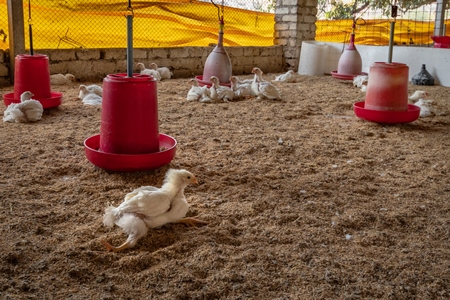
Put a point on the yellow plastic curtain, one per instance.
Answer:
(102, 24)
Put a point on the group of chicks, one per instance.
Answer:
(418, 98)
(239, 89)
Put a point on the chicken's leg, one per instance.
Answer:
(192, 221)
(110, 247)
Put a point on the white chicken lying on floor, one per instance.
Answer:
(418, 94)
(264, 89)
(241, 90)
(196, 91)
(220, 92)
(91, 94)
(28, 110)
(61, 79)
(289, 76)
(426, 106)
(164, 72)
(154, 73)
(151, 207)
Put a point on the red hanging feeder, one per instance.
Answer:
(218, 62)
(32, 74)
(129, 137)
(387, 91)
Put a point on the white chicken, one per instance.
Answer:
(220, 92)
(163, 71)
(418, 94)
(154, 73)
(264, 89)
(241, 90)
(92, 99)
(90, 89)
(61, 79)
(196, 91)
(361, 82)
(28, 110)
(427, 108)
(151, 207)
(289, 76)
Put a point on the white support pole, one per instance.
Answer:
(440, 17)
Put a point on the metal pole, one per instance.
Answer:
(130, 45)
(30, 28)
(391, 41)
(439, 27)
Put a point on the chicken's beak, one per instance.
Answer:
(194, 180)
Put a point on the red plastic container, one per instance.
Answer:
(32, 74)
(387, 89)
(129, 120)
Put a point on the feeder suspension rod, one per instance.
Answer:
(30, 29)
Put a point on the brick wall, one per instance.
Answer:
(294, 23)
(184, 62)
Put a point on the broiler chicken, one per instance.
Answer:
(151, 207)
(241, 90)
(196, 91)
(264, 89)
(164, 72)
(28, 110)
(90, 89)
(418, 94)
(154, 73)
(289, 76)
(61, 79)
(219, 92)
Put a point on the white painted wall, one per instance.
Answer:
(318, 58)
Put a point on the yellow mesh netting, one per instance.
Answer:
(376, 32)
(102, 24)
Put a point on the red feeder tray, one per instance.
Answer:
(130, 162)
(208, 83)
(54, 100)
(336, 75)
(441, 41)
(386, 116)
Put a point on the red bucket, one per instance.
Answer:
(129, 120)
(387, 89)
(32, 74)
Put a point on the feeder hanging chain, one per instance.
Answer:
(130, 11)
(219, 10)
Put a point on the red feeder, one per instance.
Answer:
(129, 136)
(32, 74)
(129, 115)
(387, 95)
(442, 41)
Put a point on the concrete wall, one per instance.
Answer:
(184, 62)
(318, 58)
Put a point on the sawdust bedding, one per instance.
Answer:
(304, 201)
